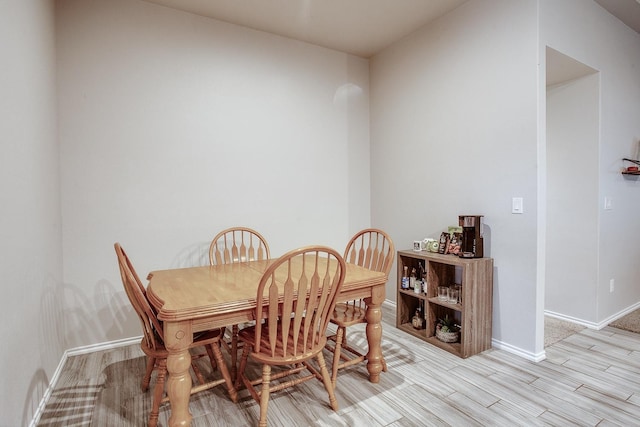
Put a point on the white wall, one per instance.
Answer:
(573, 125)
(30, 242)
(175, 126)
(454, 131)
(586, 32)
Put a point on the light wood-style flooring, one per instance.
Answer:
(591, 378)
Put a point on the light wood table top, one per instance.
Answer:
(199, 292)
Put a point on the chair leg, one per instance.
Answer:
(264, 393)
(158, 391)
(212, 359)
(225, 372)
(223, 340)
(151, 362)
(243, 363)
(234, 351)
(196, 371)
(341, 343)
(326, 379)
(336, 355)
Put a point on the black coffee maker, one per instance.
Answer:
(472, 239)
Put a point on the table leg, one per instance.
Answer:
(177, 338)
(374, 333)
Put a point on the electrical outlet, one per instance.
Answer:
(612, 284)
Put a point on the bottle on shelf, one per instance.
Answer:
(405, 278)
(420, 270)
(418, 319)
(422, 277)
(414, 282)
(412, 279)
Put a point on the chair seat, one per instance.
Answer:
(346, 315)
(247, 335)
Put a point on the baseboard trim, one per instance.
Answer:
(103, 346)
(594, 325)
(534, 357)
(74, 352)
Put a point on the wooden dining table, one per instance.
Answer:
(194, 299)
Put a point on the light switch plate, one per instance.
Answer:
(517, 205)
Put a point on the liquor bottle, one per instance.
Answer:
(412, 279)
(405, 278)
(417, 320)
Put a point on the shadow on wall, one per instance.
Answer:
(115, 313)
(37, 389)
(80, 323)
(486, 240)
(51, 345)
(496, 332)
(192, 256)
(68, 320)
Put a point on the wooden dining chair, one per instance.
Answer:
(152, 343)
(295, 298)
(237, 244)
(373, 249)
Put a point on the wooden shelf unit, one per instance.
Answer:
(474, 313)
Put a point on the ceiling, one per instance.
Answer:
(358, 27)
(628, 11)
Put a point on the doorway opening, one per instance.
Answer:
(572, 156)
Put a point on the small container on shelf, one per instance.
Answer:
(447, 331)
(634, 168)
(413, 279)
(458, 288)
(453, 295)
(417, 286)
(443, 293)
(417, 321)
